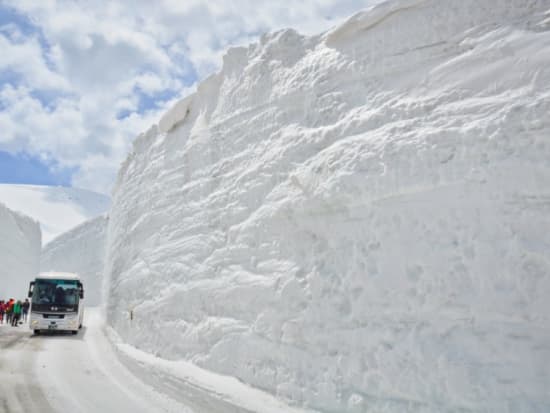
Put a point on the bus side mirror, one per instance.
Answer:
(31, 289)
(80, 290)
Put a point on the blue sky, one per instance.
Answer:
(22, 168)
(80, 80)
(9, 15)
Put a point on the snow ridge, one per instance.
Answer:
(356, 221)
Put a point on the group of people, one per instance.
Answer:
(14, 311)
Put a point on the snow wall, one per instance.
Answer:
(20, 243)
(357, 221)
(80, 250)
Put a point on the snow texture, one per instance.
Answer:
(202, 390)
(20, 242)
(58, 209)
(82, 251)
(357, 221)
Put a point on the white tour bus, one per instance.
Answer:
(57, 302)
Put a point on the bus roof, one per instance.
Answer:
(58, 276)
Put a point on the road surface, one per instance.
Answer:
(59, 373)
(66, 373)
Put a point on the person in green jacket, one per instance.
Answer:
(16, 313)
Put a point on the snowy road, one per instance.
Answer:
(19, 391)
(53, 373)
(61, 373)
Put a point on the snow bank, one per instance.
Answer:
(200, 389)
(58, 209)
(20, 243)
(82, 251)
(358, 221)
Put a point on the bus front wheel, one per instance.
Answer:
(36, 332)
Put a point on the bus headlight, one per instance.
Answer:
(34, 322)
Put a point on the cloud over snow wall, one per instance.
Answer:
(357, 221)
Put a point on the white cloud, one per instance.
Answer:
(102, 57)
(25, 57)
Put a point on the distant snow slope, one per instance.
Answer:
(58, 209)
(355, 222)
(80, 250)
(20, 242)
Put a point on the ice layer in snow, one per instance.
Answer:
(20, 242)
(82, 251)
(57, 208)
(356, 221)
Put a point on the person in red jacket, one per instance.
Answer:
(9, 310)
(2, 311)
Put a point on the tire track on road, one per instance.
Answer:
(20, 391)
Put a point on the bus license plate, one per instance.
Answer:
(52, 326)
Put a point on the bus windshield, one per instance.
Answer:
(56, 292)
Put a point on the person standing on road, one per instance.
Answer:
(9, 310)
(2, 311)
(16, 313)
(25, 309)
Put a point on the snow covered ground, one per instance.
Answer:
(60, 373)
(58, 209)
(20, 243)
(82, 251)
(84, 373)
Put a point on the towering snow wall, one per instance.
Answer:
(80, 250)
(358, 221)
(20, 243)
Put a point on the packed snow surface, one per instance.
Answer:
(59, 373)
(58, 209)
(357, 221)
(82, 251)
(85, 373)
(20, 242)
